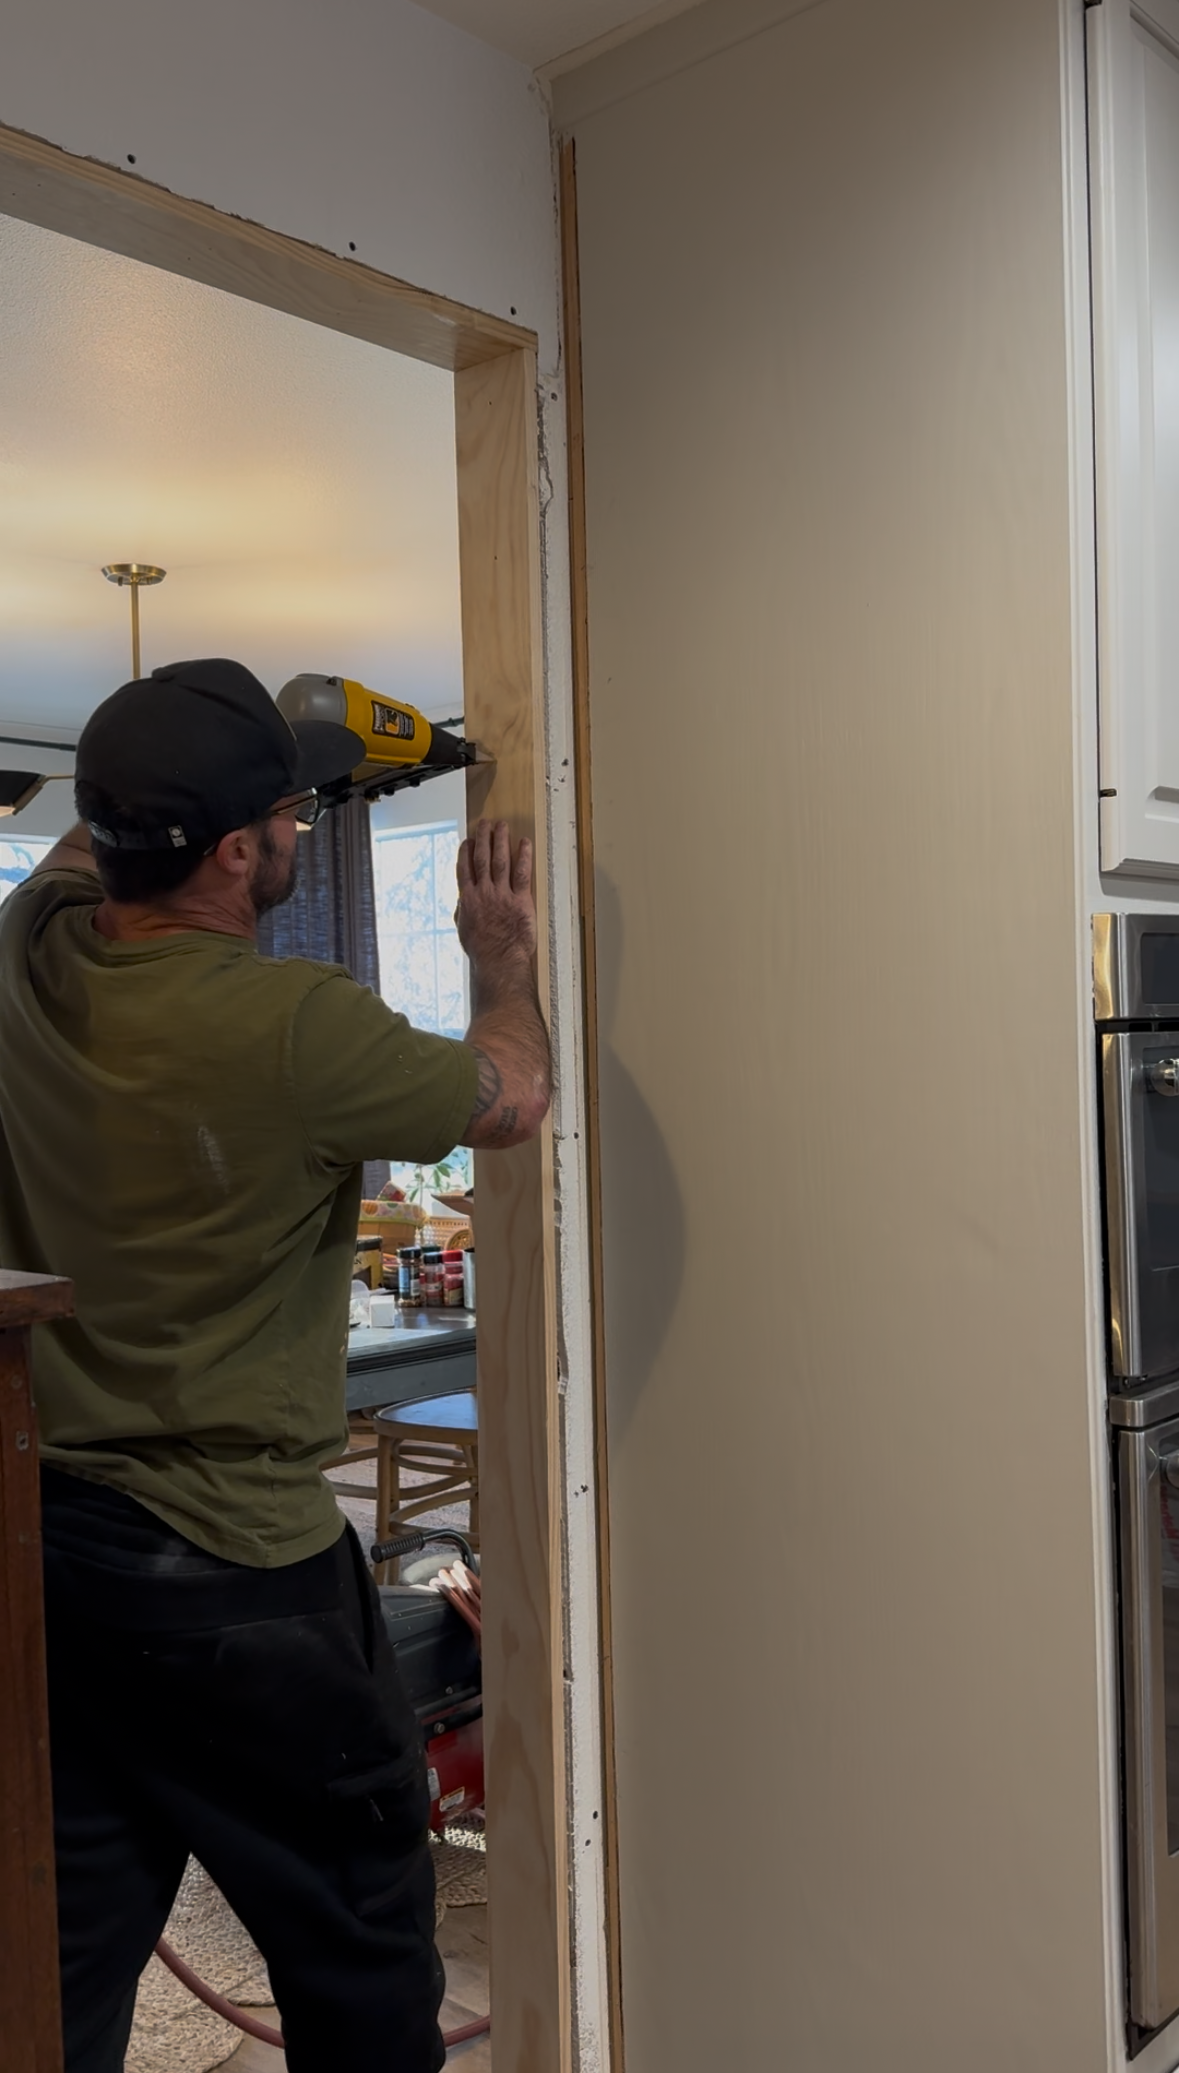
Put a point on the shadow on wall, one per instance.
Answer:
(643, 1233)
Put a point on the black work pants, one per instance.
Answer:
(255, 1719)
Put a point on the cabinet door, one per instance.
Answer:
(1134, 198)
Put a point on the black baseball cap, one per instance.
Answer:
(200, 748)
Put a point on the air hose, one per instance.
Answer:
(266, 2031)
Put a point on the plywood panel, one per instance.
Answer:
(499, 548)
(98, 204)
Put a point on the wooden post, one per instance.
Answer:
(30, 2009)
(519, 1412)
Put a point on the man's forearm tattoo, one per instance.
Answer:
(490, 1085)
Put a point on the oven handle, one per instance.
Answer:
(1163, 1076)
(1121, 1229)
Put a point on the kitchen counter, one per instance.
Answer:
(429, 1353)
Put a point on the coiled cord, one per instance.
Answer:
(266, 2031)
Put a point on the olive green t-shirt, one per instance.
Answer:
(182, 1126)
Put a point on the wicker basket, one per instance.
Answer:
(459, 1206)
(448, 1232)
(402, 1225)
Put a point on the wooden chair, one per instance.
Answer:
(362, 1446)
(439, 1438)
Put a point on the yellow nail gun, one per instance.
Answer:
(401, 746)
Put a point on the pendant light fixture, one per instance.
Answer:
(134, 574)
(18, 788)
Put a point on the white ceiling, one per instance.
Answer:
(297, 485)
(539, 32)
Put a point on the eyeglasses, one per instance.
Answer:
(307, 808)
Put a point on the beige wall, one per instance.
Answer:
(827, 444)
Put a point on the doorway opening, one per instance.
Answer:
(490, 366)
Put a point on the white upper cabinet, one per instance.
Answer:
(1134, 195)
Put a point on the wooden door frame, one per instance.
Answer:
(496, 425)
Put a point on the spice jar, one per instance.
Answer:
(409, 1279)
(452, 1278)
(432, 1277)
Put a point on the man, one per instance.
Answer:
(182, 1126)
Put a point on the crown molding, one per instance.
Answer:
(671, 46)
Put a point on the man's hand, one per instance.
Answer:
(495, 916)
(496, 922)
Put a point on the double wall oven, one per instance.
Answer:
(1136, 999)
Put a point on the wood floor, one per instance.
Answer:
(462, 1945)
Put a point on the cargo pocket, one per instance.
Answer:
(381, 1818)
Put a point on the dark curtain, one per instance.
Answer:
(332, 916)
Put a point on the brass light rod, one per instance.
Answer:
(133, 574)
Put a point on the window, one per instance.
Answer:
(423, 969)
(17, 859)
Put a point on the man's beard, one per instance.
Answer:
(275, 876)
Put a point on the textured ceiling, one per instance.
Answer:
(540, 31)
(297, 485)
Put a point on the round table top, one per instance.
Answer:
(458, 1414)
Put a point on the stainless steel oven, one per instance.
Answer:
(1147, 1471)
(1136, 974)
(1136, 999)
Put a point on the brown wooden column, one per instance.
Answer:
(30, 2012)
(519, 1411)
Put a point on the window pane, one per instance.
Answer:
(17, 859)
(423, 971)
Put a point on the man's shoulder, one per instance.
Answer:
(70, 884)
(45, 892)
(297, 978)
(317, 1001)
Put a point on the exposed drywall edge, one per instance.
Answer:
(583, 1713)
(585, 1756)
(673, 46)
(583, 1709)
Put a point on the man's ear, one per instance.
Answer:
(235, 853)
